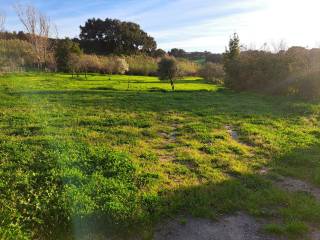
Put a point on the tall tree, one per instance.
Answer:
(67, 54)
(230, 58)
(234, 47)
(112, 36)
(38, 27)
(2, 21)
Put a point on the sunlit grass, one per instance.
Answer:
(126, 152)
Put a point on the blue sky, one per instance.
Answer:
(191, 24)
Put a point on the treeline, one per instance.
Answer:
(197, 56)
(295, 71)
(71, 58)
(104, 46)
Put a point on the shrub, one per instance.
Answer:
(212, 72)
(142, 65)
(120, 65)
(257, 70)
(65, 53)
(292, 72)
(168, 70)
(16, 55)
(90, 63)
(308, 85)
(187, 68)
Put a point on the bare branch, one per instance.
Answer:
(38, 27)
(279, 46)
(2, 21)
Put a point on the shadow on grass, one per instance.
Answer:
(196, 102)
(302, 163)
(251, 194)
(248, 193)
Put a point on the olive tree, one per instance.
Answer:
(168, 70)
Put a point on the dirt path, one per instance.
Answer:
(169, 138)
(236, 227)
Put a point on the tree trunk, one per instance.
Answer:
(172, 84)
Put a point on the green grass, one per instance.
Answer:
(124, 152)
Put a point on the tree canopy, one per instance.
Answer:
(168, 70)
(64, 54)
(112, 36)
(177, 52)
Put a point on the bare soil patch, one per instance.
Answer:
(235, 227)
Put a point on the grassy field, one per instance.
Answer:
(78, 155)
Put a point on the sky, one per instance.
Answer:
(194, 25)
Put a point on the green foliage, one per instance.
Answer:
(177, 53)
(64, 54)
(234, 47)
(258, 70)
(100, 182)
(308, 85)
(291, 72)
(292, 229)
(112, 36)
(168, 70)
(158, 53)
(88, 158)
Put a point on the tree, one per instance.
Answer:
(230, 58)
(178, 53)
(65, 54)
(112, 36)
(2, 21)
(38, 27)
(159, 53)
(168, 70)
(234, 48)
(3, 43)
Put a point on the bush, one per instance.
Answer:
(142, 65)
(292, 72)
(120, 65)
(109, 65)
(65, 55)
(16, 55)
(187, 68)
(308, 85)
(90, 63)
(257, 70)
(212, 72)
